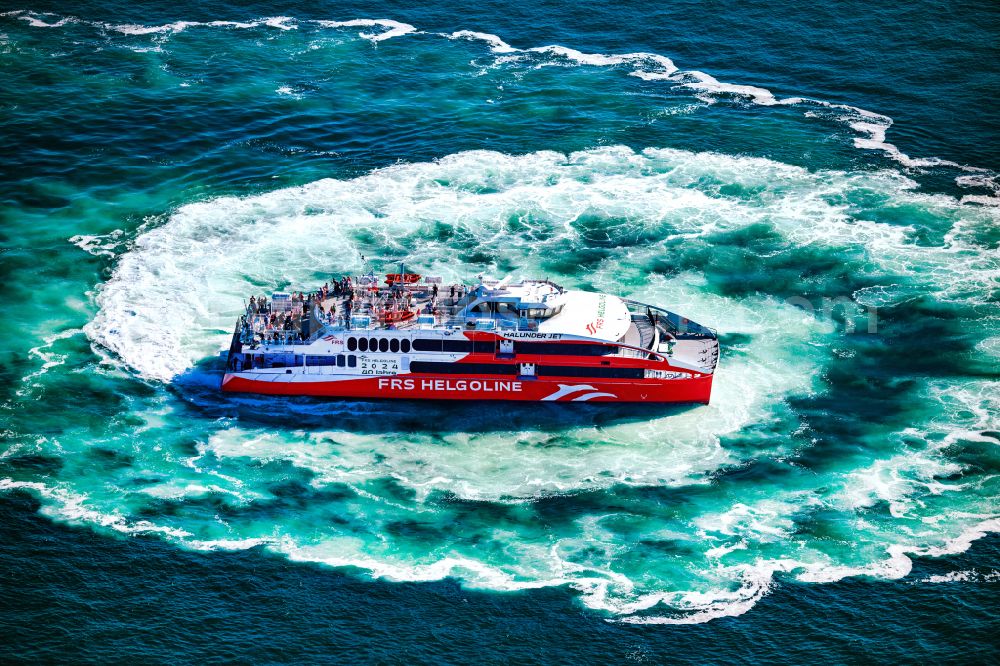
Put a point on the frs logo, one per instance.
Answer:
(585, 391)
(595, 325)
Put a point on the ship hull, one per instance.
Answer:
(469, 387)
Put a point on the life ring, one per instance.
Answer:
(405, 278)
(392, 316)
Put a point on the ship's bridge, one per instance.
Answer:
(591, 315)
(552, 308)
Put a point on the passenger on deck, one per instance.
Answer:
(253, 304)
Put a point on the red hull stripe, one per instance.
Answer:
(459, 387)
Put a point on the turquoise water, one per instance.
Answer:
(819, 186)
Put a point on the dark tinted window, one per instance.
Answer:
(352, 344)
(394, 345)
(352, 361)
(373, 344)
(320, 360)
(404, 346)
(341, 360)
(363, 344)
(427, 345)
(602, 373)
(459, 346)
(563, 348)
(383, 345)
(464, 368)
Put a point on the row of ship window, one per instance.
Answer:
(394, 345)
(404, 346)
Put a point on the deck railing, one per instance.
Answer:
(672, 321)
(253, 323)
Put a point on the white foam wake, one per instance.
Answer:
(395, 28)
(72, 507)
(49, 358)
(966, 576)
(172, 298)
(600, 588)
(38, 20)
(872, 128)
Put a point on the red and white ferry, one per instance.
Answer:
(412, 337)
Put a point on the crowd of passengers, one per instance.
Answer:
(295, 324)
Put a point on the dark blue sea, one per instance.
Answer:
(818, 182)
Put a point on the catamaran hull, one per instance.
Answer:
(468, 387)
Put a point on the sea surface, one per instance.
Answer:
(818, 181)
